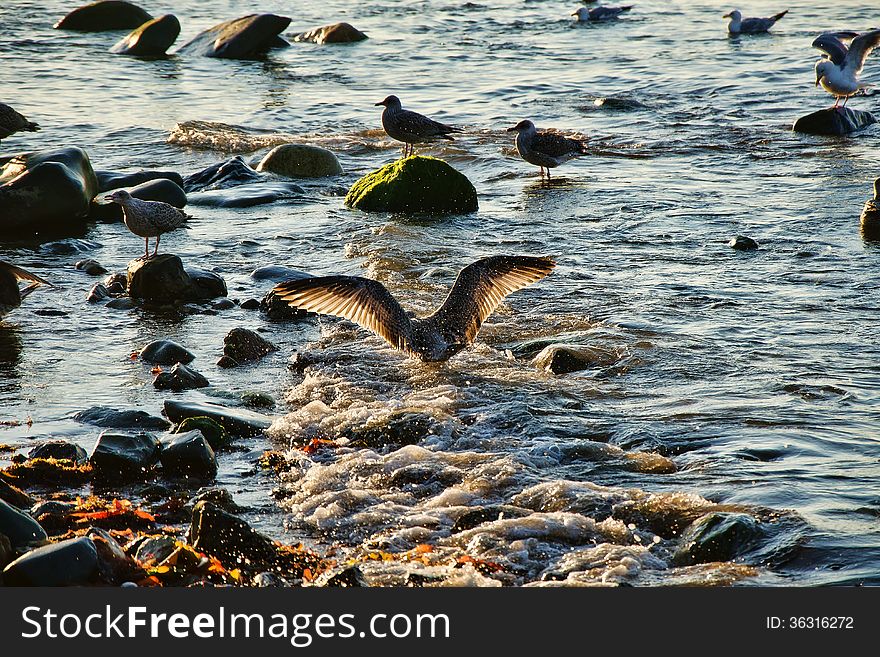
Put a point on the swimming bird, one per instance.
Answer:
(477, 292)
(12, 122)
(740, 25)
(10, 294)
(148, 218)
(870, 219)
(599, 13)
(838, 73)
(543, 148)
(411, 127)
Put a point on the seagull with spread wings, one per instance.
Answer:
(477, 292)
(11, 295)
(838, 73)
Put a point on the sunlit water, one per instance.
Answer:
(757, 373)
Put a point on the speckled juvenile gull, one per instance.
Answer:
(149, 218)
(545, 149)
(477, 292)
(740, 25)
(10, 294)
(838, 73)
(585, 14)
(411, 127)
(870, 219)
(12, 122)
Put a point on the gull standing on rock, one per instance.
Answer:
(10, 294)
(870, 219)
(599, 13)
(411, 127)
(12, 122)
(148, 218)
(740, 25)
(477, 292)
(838, 73)
(545, 149)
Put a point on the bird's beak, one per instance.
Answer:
(375, 104)
(818, 79)
(726, 16)
(513, 129)
(574, 13)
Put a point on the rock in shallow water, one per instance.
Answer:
(151, 39)
(243, 346)
(160, 189)
(718, 537)
(19, 527)
(103, 16)
(104, 416)
(414, 184)
(180, 377)
(66, 563)
(246, 196)
(223, 175)
(241, 38)
(15, 496)
(189, 454)
(566, 358)
(166, 352)
(163, 279)
(742, 243)
(300, 161)
(91, 267)
(213, 431)
(59, 449)
(336, 33)
(831, 121)
(228, 537)
(344, 577)
(109, 180)
(124, 455)
(238, 422)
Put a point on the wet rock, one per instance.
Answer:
(718, 537)
(52, 507)
(476, 517)
(269, 580)
(44, 190)
(155, 549)
(91, 267)
(6, 553)
(243, 346)
(15, 496)
(213, 431)
(66, 563)
(742, 243)
(348, 577)
(218, 496)
(19, 527)
(59, 449)
(565, 358)
(278, 274)
(300, 161)
(124, 455)
(242, 38)
(414, 184)
(163, 279)
(116, 283)
(228, 537)
(110, 180)
(104, 16)
(121, 304)
(336, 33)
(397, 428)
(104, 416)
(246, 196)
(151, 39)
(161, 189)
(70, 246)
(189, 454)
(831, 121)
(223, 175)
(257, 400)
(180, 378)
(165, 352)
(114, 565)
(223, 304)
(250, 304)
(236, 421)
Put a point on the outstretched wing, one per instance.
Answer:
(556, 145)
(860, 48)
(480, 288)
(831, 45)
(23, 274)
(360, 300)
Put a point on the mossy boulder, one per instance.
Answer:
(834, 121)
(414, 184)
(300, 161)
(213, 432)
(151, 39)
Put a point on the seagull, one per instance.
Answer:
(838, 73)
(12, 122)
(10, 295)
(599, 13)
(477, 292)
(148, 218)
(870, 218)
(740, 25)
(545, 149)
(411, 127)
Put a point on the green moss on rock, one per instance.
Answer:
(414, 184)
(213, 432)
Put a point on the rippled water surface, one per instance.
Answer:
(724, 380)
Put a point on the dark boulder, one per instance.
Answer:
(189, 454)
(67, 563)
(104, 416)
(213, 431)
(223, 175)
(242, 38)
(242, 346)
(163, 279)
(300, 161)
(160, 189)
(834, 121)
(19, 527)
(246, 196)
(151, 39)
(104, 16)
(566, 358)
(718, 537)
(228, 537)
(180, 377)
(336, 33)
(237, 421)
(155, 549)
(14, 495)
(110, 180)
(397, 428)
(278, 274)
(742, 243)
(165, 352)
(59, 449)
(341, 577)
(206, 284)
(124, 455)
(90, 266)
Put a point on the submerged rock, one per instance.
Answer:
(66, 563)
(228, 537)
(166, 352)
(243, 346)
(189, 454)
(59, 449)
(91, 267)
(47, 189)
(397, 428)
(104, 416)
(163, 279)
(151, 39)
(155, 549)
(278, 274)
(300, 161)
(566, 358)
(242, 38)
(19, 527)
(223, 175)
(247, 196)
(834, 121)
(98, 293)
(180, 378)
(15, 496)
(160, 189)
(104, 16)
(742, 243)
(345, 577)
(124, 455)
(414, 184)
(718, 537)
(336, 33)
(238, 422)
(213, 431)
(110, 180)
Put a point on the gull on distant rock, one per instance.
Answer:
(838, 73)
(10, 294)
(585, 14)
(148, 218)
(740, 25)
(543, 148)
(12, 122)
(411, 127)
(477, 292)
(870, 219)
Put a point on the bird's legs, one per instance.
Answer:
(156, 250)
(548, 174)
(541, 169)
(845, 98)
(146, 248)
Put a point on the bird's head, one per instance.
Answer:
(523, 126)
(583, 14)
(119, 196)
(734, 15)
(877, 189)
(390, 101)
(823, 67)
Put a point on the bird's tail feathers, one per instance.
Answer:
(776, 17)
(31, 127)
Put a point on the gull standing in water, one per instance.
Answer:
(10, 294)
(12, 122)
(740, 25)
(545, 149)
(477, 292)
(838, 73)
(148, 218)
(599, 13)
(870, 218)
(411, 127)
